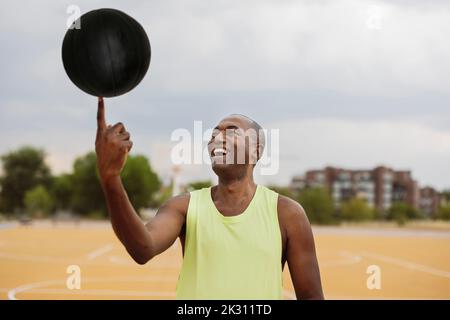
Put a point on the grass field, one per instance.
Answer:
(414, 264)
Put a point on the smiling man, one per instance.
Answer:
(236, 236)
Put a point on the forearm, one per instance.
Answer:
(127, 225)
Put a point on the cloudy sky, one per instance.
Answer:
(349, 83)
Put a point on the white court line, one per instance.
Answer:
(100, 251)
(38, 287)
(8, 225)
(12, 293)
(349, 259)
(105, 292)
(35, 285)
(27, 257)
(151, 264)
(408, 264)
(117, 262)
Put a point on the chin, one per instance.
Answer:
(220, 168)
(229, 171)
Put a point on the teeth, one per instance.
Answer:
(219, 151)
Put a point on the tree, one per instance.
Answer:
(38, 201)
(285, 191)
(62, 191)
(23, 170)
(444, 212)
(197, 185)
(140, 181)
(318, 205)
(87, 196)
(163, 194)
(446, 196)
(401, 212)
(357, 209)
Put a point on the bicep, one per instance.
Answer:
(166, 226)
(301, 256)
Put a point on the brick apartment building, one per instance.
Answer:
(429, 201)
(380, 187)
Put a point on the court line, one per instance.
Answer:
(151, 264)
(100, 251)
(105, 292)
(37, 287)
(31, 286)
(359, 231)
(13, 292)
(349, 259)
(8, 225)
(112, 262)
(33, 258)
(288, 294)
(407, 264)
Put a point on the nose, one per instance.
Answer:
(220, 138)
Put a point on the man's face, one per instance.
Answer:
(233, 142)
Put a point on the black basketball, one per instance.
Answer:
(108, 55)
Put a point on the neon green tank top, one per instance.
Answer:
(237, 257)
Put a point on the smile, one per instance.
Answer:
(219, 152)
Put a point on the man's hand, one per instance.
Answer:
(112, 145)
(142, 242)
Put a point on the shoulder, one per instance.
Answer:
(291, 214)
(179, 203)
(290, 208)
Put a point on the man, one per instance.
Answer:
(236, 237)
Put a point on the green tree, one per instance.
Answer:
(62, 191)
(163, 194)
(23, 169)
(87, 196)
(140, 181)
(401, 212)
(446, 196)
(197, 185)
(318, 205)
(38, 201)
(285, 191)
(444, 212)
(357, 209)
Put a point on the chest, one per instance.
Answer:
(211, 238)
(231, 209)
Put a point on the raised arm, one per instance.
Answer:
(300, 250)
(141, 241)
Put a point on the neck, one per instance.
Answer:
(239, 188)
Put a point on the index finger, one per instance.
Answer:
(101, 122)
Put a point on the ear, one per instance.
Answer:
(260, 150)
(256, 154)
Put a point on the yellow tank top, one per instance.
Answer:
(237, 257)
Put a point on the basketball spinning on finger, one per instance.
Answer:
(108, 55)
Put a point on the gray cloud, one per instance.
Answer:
(277, 61)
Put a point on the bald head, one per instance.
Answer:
(251, 124)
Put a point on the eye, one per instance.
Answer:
(214, 133)
(231, 132)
